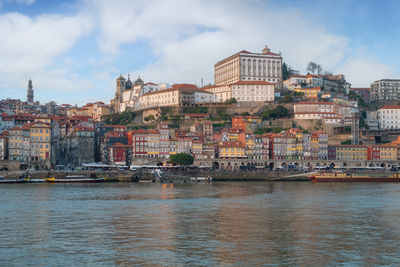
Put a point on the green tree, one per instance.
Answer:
(287, 71)
(231, 101)
(149, 118)
(314, 67)
(181, 159)
(287, 99)
(278, 112)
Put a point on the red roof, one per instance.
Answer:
(251, 83)
(391, 107)
(145, 131)
(182, 87)
(314, 103)
(83, 129)
(115, 126)
(311, 112)
(120, 145)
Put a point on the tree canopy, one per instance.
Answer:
(278, 112)
(231, 101)
(119, 118)
(287, 71)
(314, 68)
(181, 159)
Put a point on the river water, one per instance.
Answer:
(228, 224)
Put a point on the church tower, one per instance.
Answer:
(119, 91)
(29, 96)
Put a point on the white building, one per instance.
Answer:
(251, 91)
(294, 81)
(247, 66)
(389, 117)
(3, 147)
(315, 107)
(179, 95)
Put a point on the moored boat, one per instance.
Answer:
(74, 179)
(337, 176)
(11, 180)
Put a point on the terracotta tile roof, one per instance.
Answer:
(145, 131)
(120, 145)
(251, 83)
(83, 129)
(314, 103)
(114, 126)
(182, 87)
(390, 107)
(311, 112)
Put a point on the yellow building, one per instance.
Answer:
(309, 92)
(388, 153)
(250, 145)
(351, 152)
(231, 149)
(40, 138)
(15, 143)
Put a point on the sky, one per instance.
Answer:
(74, 50)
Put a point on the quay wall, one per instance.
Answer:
(217, 175)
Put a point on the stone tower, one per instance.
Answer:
(29, 96)
(119, 91)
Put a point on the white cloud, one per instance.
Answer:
(25, 2)
(19, 2)
(186, 37)
(189, 37)
(363, 71)
(30, 46)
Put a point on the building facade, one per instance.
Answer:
(247, 66)
(385, 90)
(242, 91)
(389, 117)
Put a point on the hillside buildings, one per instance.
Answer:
(329, 112)
(385, 90)
(326, 82)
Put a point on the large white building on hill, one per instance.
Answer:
(248, 66)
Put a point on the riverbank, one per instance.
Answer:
(217, 175)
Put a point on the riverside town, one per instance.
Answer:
(199, 133)
(259, 115)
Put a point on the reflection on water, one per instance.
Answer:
(220, 224)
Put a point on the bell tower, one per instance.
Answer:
(266, 50)
(29, 96)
